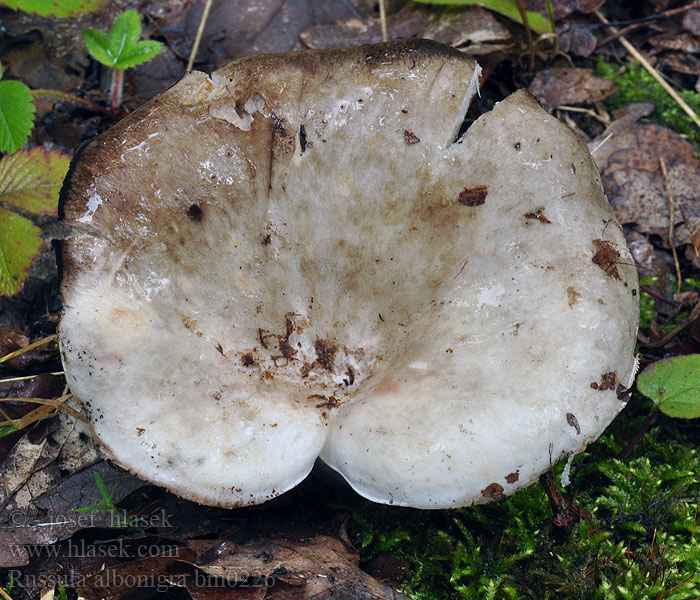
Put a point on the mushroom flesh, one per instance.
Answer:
(302, 255)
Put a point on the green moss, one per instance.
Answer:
(639, 541)
(637, 85)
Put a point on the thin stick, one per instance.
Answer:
(382, 18)
(585, 111)
(198, 38)
(652, 71)
(57, 95)
(55, 402)
(4, 594)
(31, 346)
(42, 412)
(671, 224)
(27, 377)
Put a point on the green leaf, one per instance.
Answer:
(674, 385)
(121, 49)
(507, 8)
(6, 430)
(99, 482)
(97, 44)
(92, 507)
(52, 8)
(29, 181)
(16, 115)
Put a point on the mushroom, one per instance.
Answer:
(302, 255)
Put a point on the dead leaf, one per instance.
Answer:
(631, 173)
(682, 42)
(691, 216)
(563, 8)
(560, 86)
(691, 22)
(311, 564)
(576, 38)
(473, 29)
(37, 511)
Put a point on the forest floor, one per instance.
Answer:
(625, 526)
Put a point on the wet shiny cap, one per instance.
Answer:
(299, 256)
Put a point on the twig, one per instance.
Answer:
(4, 594)
(57, 95)
(585, 111)
(54, 402)
(694, 315)
(200, 32)
(531, 45)
(31, 346)
(659, 297)
(671, 224)
(652, 71)
(27, 377)
(42, 412)
(382, 19)
(638, 436)
(632, 24)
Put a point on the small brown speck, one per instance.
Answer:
(573, 421)
(538, 214)
(140, 431)
(622, 394)
(606, 257)
(608, 381)
(473, 196)
(247, 360)
(493, 491)
(409, 137)
(573, 296)
(513, 477)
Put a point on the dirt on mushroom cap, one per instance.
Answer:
(273, 267)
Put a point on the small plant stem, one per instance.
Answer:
(68, 98)
(198, 37)
(530, 43)
(31, 346)
(638, 436)
(692, 317)
(652, 71)
(671, 224)
(382, 18)
(659, 297)
(4, 594)
(116, 91)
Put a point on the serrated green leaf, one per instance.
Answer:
(125, 33)
(16, 115)
(20, 241)
(29, 181)
(507, 8)
(97, 44)
(54, 8)
(121, 49)
(674, 384)
(140, 53)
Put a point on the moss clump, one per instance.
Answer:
(637, 85)
(639, 540)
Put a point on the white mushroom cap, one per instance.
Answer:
(297, 257)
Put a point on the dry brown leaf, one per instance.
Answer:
(310, 564)
(472, 29)
(563, 8)
(561, 86)
(631, 173)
